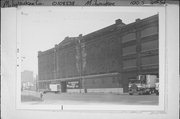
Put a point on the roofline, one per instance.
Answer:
(125, 25)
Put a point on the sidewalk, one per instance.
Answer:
(27, 95)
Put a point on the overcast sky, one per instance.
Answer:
(42, 28)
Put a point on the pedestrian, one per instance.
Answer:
(134, 88)
(41, 96)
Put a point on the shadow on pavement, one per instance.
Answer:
(27, 98)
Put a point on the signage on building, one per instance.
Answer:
(72, 84)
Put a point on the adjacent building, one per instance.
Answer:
(27, 79)
(104, 60)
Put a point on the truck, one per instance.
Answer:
(143, 84)
(157, 87)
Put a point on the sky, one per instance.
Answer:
(42, 28)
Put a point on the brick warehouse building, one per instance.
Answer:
(104, 60)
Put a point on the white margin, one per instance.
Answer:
(162, 64)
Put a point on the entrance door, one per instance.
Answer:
(63, 86)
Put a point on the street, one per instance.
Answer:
(94, 98)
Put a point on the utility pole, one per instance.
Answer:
(80, 63)
(81, 60)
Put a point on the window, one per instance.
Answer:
(113, 80)
(102, 81)
(93, 81)
(149, 45)
(129, 63)
(149, 60)
(129, 50)
(149, 31)
(128, 37)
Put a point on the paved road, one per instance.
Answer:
(94, 98)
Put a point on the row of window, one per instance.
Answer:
(145, 46)
(103, 81)
(152, 60)
(144, 33)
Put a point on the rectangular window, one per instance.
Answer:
(102, 81)
(150, 60)
(129, 63)
(149, 31)
(93, 81)
(149, 45)
(129, 50)
(114, 80)
(128, 37)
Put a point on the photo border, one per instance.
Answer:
(161, 108)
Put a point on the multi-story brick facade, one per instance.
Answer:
(105, 59)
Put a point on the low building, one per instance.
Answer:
(27, 79)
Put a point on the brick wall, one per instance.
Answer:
(129, 50)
